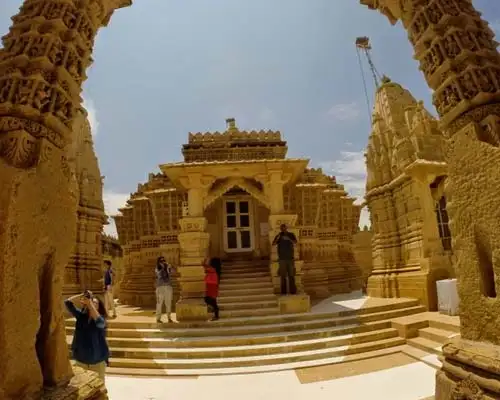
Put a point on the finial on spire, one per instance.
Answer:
(231, 124)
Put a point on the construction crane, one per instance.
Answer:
(363, 46)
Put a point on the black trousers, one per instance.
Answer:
(287, 274)
(212, 302)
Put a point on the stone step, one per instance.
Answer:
(147, 372)
(247, 299)
(250, 312)
(262, 284)
(246, 340)
(430, 346)
(437, 335)
(244, 275)
(446, 326)
(244, 269)
(253, 305)
(250, 279)
(251, 361)
(247, 326)
(253, 350)
(432, 360)
(246, 291)
(376, 312)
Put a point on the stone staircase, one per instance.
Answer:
(240, 344)
(433, 332)
(246, 290)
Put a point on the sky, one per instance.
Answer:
(163, 68)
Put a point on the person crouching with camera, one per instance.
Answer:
(90, 348)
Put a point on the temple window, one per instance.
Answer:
(443, 223)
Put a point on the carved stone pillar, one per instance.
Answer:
(42, 66)
(274, 188)
(194, 242)
(459, 59)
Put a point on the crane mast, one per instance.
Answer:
(363, 46)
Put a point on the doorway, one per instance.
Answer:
(238, 232)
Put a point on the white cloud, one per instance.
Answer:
(350, 171)
(344, 112)
(112, 202)
(89, 105)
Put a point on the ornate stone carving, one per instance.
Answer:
(232, 145)
(467, 97)
(42, 66)
(404, 157)
(467, 389)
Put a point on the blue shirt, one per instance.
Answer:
(108, 278)
(89, 339)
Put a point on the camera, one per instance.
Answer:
(87, 294)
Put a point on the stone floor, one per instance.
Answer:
(387, 377)
(413, 381)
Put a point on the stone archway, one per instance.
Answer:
(248, 185)
(42, 67)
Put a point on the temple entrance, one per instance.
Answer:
(238, 232)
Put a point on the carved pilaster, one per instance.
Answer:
(194, 242)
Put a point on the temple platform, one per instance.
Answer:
(341, 329)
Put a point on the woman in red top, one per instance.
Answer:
(211, 288)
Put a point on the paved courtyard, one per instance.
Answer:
(414, 381)
(388, 377)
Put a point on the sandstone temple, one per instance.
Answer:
(237, 187)
(405, 194)
(433, 190)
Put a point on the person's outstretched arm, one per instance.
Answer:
(70, 305)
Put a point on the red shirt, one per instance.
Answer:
(211, 283)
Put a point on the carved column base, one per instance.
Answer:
(417, 285)
(191, 310)
(470, 371)
(295, 304)
(85, 385)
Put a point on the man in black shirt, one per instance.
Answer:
(286, 241)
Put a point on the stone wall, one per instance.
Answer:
(362, 248)
(112, 251)
(84, 269)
